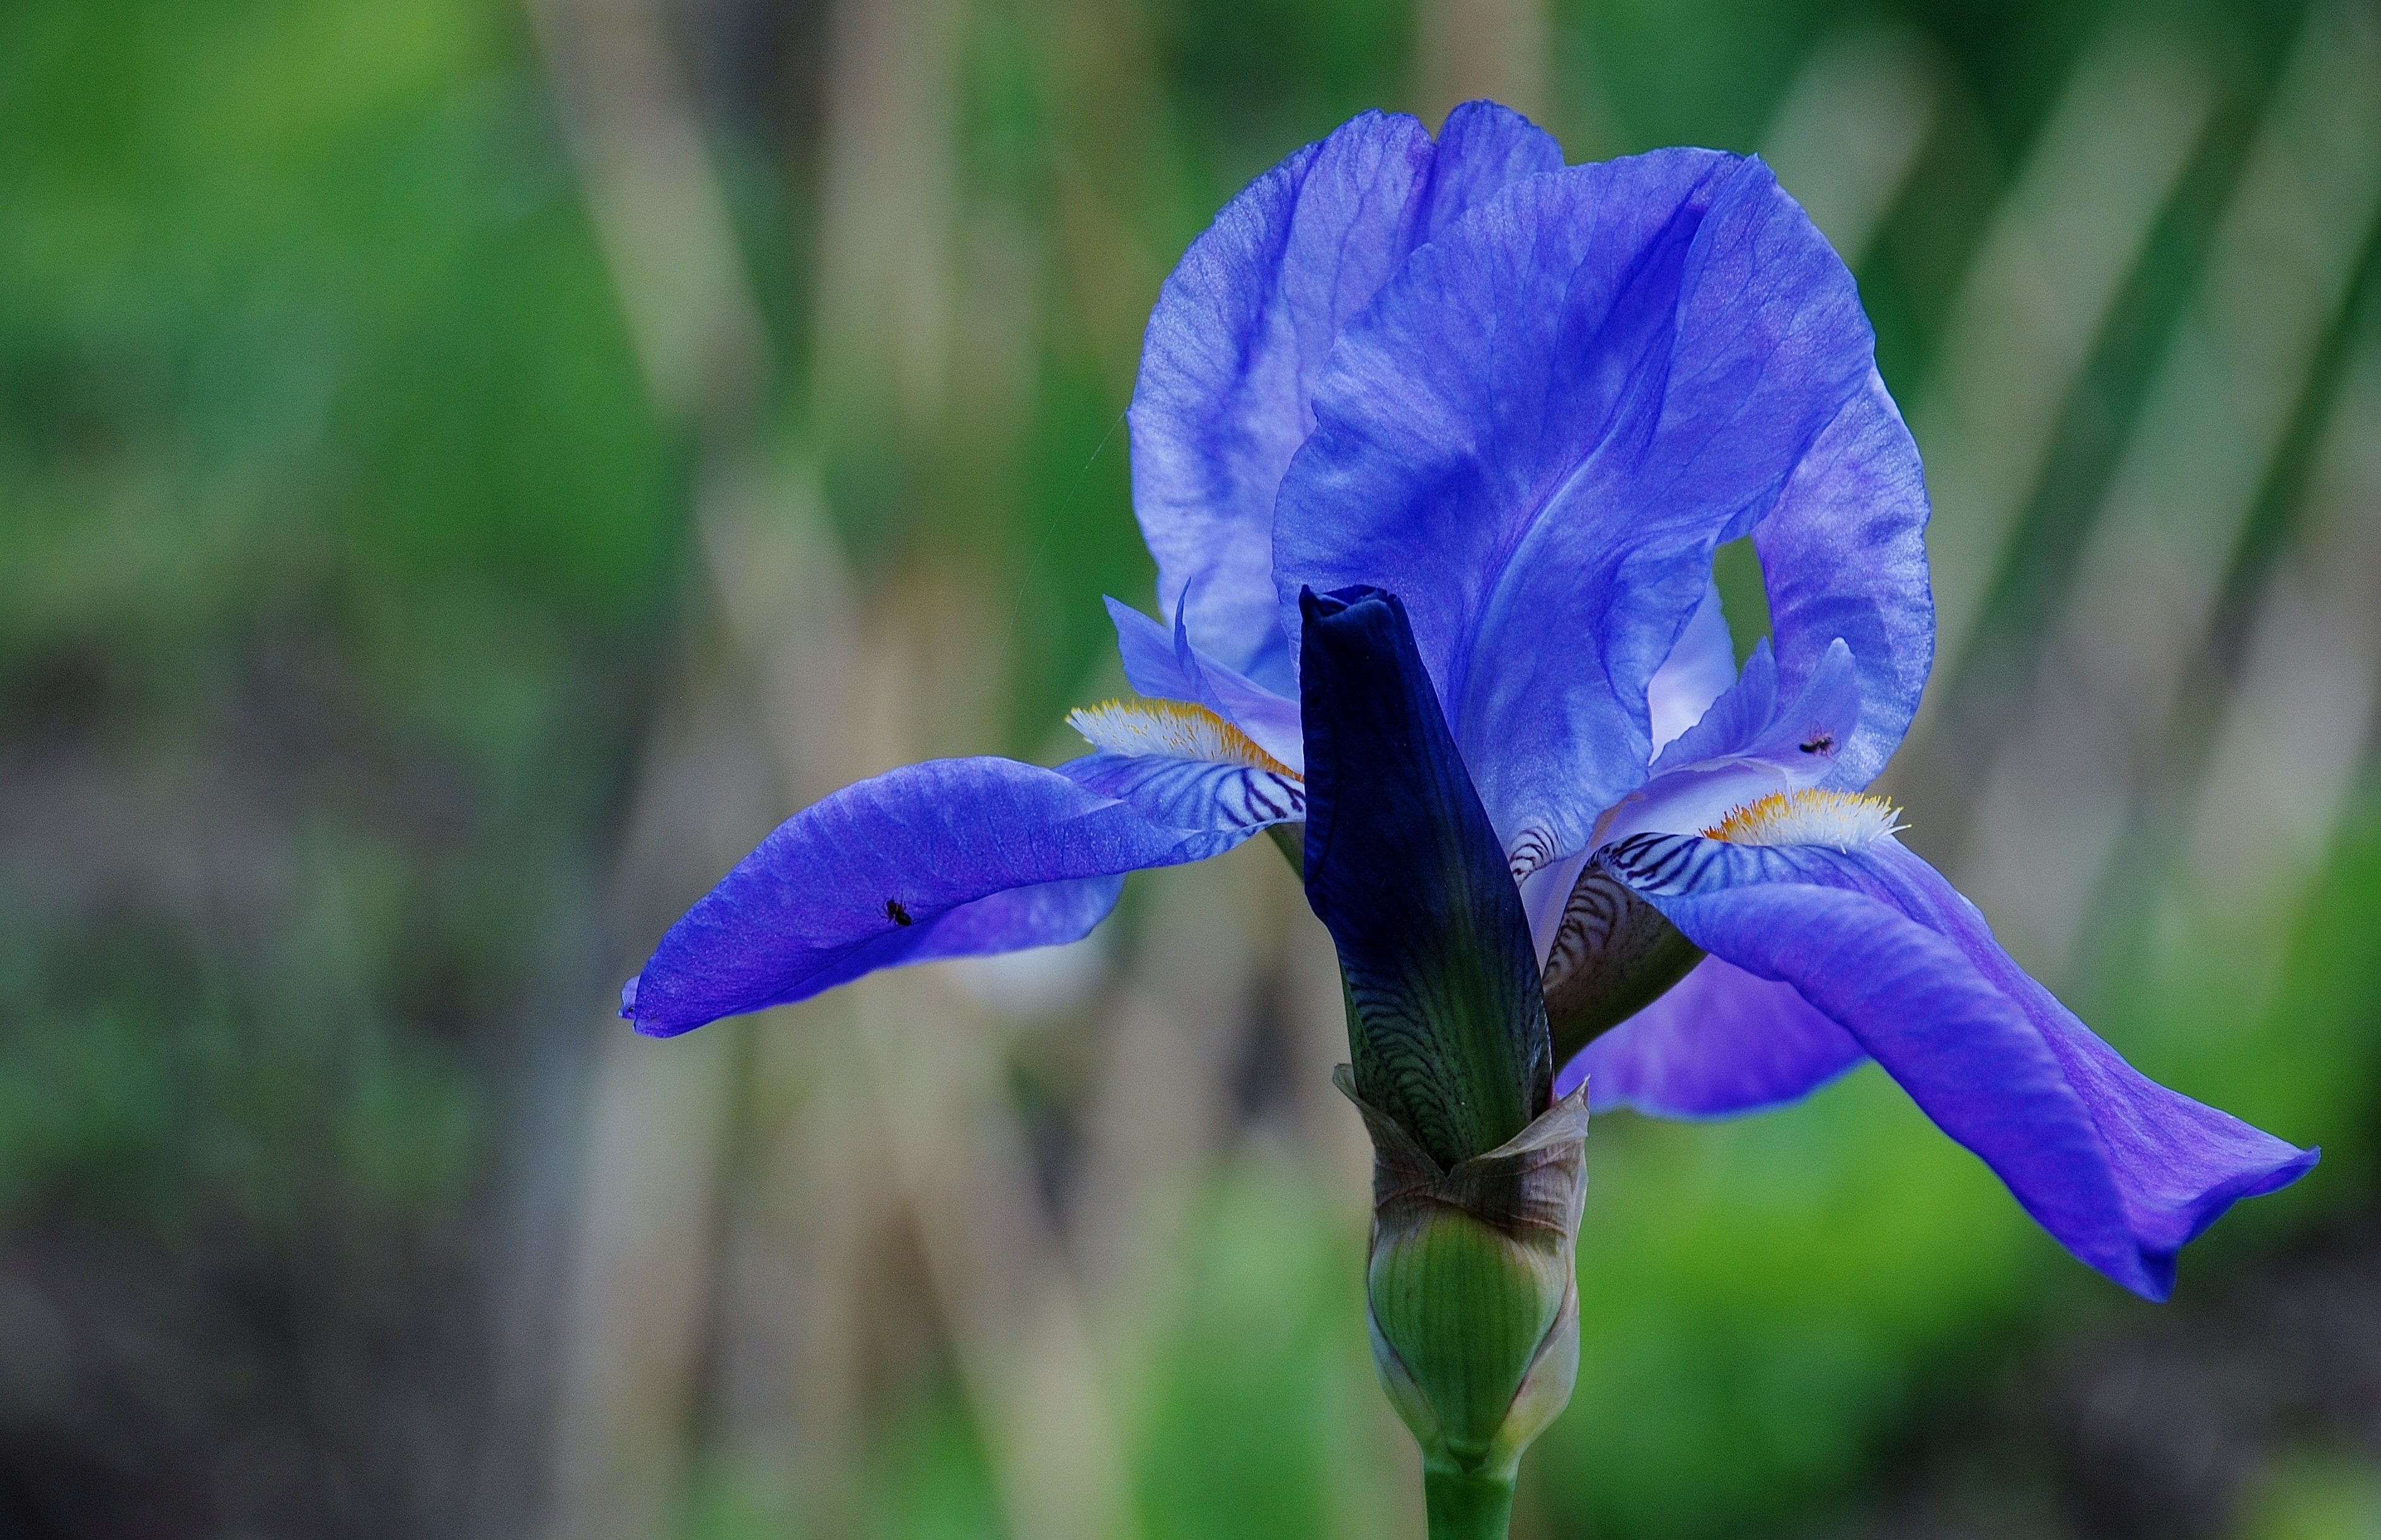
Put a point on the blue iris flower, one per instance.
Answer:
(1487, 418)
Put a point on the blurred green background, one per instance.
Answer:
(468, 469)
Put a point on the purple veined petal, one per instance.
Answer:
(1483, 148)
(1244, 324)
(1740, 714)
(1193, 794)
(1843, 555)
(1151, 664)
(1545, 894)
(2120, 1170)
(1170, 669)
(951, 858)
(1540, 432)
(1721, 1043)
(1700, 671)
(1747, 747)
(2181, 1163)
(1271, 720)
(1701, 667)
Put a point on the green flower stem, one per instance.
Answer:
(1290, 840)
(1466, 1505)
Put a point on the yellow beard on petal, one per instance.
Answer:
(1174, 729)
(1845, 820)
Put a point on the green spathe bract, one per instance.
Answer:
(1473, 1301)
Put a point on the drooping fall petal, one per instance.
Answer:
(2122, 1171)
(951, 858)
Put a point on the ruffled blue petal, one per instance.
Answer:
(1843, 555)
(952, 858)
(1449, 1036)
(1720, 1043)
(2122, 1171)
(1540, 432)
(1482, 149)
(1241, 328)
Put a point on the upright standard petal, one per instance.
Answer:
(2121, 1170)
(1448, 1032)
(952, 858)
(1698, 671)
(1146, 648)
(1242, 327)
(1543, 428)
(1843, 558)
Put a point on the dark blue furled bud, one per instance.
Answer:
(1477, 1182)
(1447, 1030)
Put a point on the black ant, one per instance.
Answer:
(895, 912)
(1820, 744)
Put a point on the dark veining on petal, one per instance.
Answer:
(1613, 956)
(1447, 1030)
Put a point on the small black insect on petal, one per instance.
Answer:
(1819, 744)
(895, 912)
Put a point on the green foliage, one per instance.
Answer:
(335, 537)
(1256, 1374)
